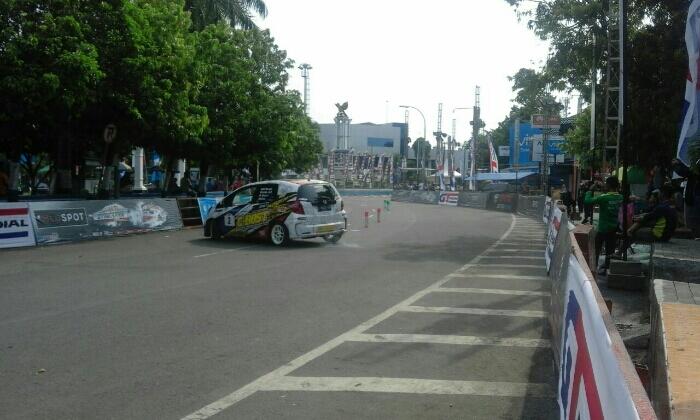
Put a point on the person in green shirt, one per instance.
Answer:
(606, 230)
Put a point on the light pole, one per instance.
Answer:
(419, 151)
(465, 142)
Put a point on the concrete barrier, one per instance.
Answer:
(475, 200)
(675, 349)
(588, 348)
(422, 197)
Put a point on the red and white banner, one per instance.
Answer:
(494, 157)
(16, 228)
(591, 384)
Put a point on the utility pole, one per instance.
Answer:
(624, 117)
(476, 125)
(304, 67)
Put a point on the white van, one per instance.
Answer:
(280, 211)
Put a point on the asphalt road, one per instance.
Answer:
(431, 313)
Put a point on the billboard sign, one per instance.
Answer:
(504, 151)
(555, 148)
(549, 122)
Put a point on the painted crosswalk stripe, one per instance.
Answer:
(503, 257)
(409, 386)
(473, 311)
(490, 291)
(482, 265)
(499, 276)
(451, 339)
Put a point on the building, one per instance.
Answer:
(376, 139)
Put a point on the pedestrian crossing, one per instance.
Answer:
(479, 331)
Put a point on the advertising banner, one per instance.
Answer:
(547, 209)
(591, 384)
(59, 221)
(504, 201)
(205, 204)
(15, 226)
(552, 232)
(449, 198)
(473, 199)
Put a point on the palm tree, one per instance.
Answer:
(237, 13)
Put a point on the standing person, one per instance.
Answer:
(606, 231)
(691, 194)
(4, 181)
(586, 209)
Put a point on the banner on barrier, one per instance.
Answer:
(15, 226)
(205, 204)
(449, 198)
(552, 232)
(547, 209)
(473, 199)
(504, 201)
(58, 221)
(591, 384)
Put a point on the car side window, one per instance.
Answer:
(243, 196)
(266, 193)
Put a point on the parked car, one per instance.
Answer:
(280, 211)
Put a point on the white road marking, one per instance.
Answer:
(278, 375)
(450, 339)
(539, 251)
(409, 386)
(223, 252)
(496, 265)
(512, 256)
(473, 311)
(490, 291)
(499, 276)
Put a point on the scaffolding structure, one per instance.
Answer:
(613, 82)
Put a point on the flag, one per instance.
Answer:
(691, 110)
(494, 158)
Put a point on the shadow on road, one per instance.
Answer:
(260, 244)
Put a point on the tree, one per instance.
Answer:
(236, 13)
(424, 147)
(655, 92)
(49, 72)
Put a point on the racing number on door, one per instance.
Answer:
(229, 220)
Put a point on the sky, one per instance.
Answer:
(379, 54)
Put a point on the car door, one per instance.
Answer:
(256, 214)
(231, 208)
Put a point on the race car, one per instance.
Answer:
(280, 211)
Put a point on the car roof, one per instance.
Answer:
(289, 182)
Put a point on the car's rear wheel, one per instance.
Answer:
(278, 234)
(334, 238)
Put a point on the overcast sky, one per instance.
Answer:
(379, 54)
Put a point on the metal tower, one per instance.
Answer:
(304, 67)
(613, 82)
(476, 125)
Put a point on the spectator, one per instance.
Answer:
(586, 209)
(659, 224)
(691, 194)
(4, 182)
(606, 231)
(567, 199)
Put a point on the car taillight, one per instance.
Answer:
(297, 207)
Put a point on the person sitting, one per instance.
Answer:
(659, 224)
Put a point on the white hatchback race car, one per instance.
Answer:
(280, 211)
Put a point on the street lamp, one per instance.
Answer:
(464, 149)
(424, 138)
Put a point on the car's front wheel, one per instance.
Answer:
(278, 234)
(334, 238)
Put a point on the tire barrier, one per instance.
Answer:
(68, 221)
